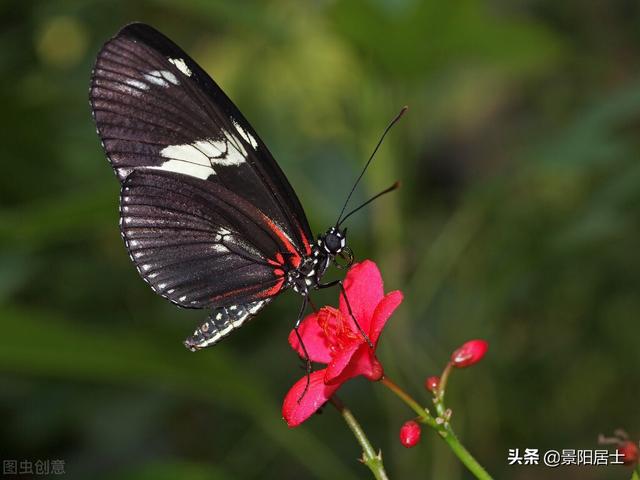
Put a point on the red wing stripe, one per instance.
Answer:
(260, 294)
(295, 255)
(305, 241)
(273, 290)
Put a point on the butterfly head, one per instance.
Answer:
(333, 241)
(334, 244)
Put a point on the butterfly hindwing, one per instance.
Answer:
(197, 243)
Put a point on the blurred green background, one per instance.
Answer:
(518, 222)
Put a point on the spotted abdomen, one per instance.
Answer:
(222, 322)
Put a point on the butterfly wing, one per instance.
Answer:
(156, 109)
(200, 245)
(207, 215)
(197, 243)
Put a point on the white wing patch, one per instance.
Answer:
(199, 158)
(181, 65)
(216, 247)
(187, 167)
(131, 87)
(161, 78)
(246, 135)
(137, 84)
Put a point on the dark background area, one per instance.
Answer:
(518, 222)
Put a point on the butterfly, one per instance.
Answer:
(207, 215)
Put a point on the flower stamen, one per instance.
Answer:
(336, 329)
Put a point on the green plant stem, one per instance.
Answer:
(462, 453)
(370, 458)
(423, 413)
(443, 427)
(442, 387)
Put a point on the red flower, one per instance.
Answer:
(332, 338)
(410, 434)
(469, 353)
(432, 383)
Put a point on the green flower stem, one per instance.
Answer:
(442, 388)
(370, 458)
(636, 474)
(441, 425)
(462, 453)
(423, 413)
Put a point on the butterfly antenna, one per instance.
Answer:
(393, 187)
(384, 134)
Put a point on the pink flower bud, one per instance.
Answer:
(469, 353)
(629, 451)
(432, 383)
(410, 434)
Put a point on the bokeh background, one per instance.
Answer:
(518, 222)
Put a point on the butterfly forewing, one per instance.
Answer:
(156, 109)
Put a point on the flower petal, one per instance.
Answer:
(341, 361)
(314, 340)
(382, 313)
(364, 288)
(297, 407)
(363, 362)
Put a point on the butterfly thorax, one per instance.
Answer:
(308, 274)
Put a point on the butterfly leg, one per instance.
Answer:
(307, 360)
(344, 294)
(313, 305)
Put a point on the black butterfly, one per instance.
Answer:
(206, 213)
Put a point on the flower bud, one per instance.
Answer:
(432, 383)
(629, 452)
(410, 434)
(469, 353)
